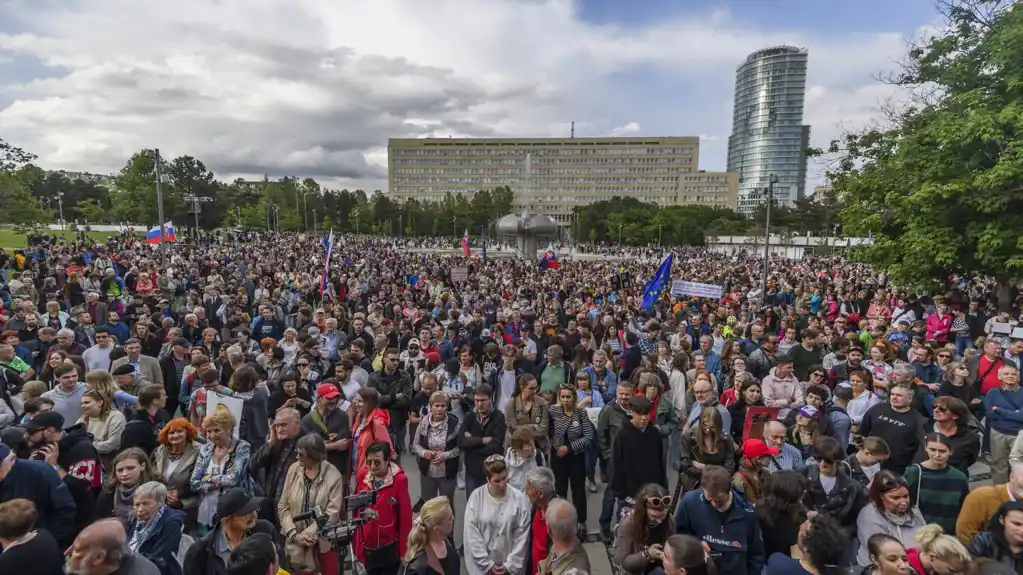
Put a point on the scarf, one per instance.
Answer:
(143, 529)
(123, 502)
(900, 520)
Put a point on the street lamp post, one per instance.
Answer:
(155, 155)
(60, 206)
(620, 234)
(772, 180)
(314, 220)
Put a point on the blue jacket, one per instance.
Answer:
(736, 540)
(161, 545)
(120, 331)
(1008, 418)
(714, 365)
(610, 380)
(40, 484)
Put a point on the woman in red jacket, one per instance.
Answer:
(369, 425)
(381, 543)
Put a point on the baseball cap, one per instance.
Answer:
(44, 420)
(756, 448)
(809, 411)
(123, 370)
(413, 341)
(236, 501)
(327, 391)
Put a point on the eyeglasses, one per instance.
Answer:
(817, 374)
(303, 365)
(940, 408)
(658, 502)
(893, 483)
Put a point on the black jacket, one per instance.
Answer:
(143, 431)
(843, 503)
(80, 460)
(473, 448)
(419, 565)
(993, 546)
(395, 394)
(636, 460)
(40, 484)
(269, 466)
(202, 559)
(451, 465)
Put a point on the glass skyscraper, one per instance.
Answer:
(768, 135)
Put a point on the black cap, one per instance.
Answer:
(44, 420)
(236, 501)
(180, 341)
(123, 370)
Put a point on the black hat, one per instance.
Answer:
(236, 501)
(44, 420)
(124, 369)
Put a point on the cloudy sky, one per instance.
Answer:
(316, 87)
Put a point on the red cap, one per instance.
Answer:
(756, 448)
(432, 356)
(327, 391)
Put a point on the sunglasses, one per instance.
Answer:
(661, 502)
(891, 484)
(940, 408)
(303, 365)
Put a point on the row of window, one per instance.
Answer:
(517, 149)
(521, 160)
(535, 172)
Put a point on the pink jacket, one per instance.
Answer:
(938, 327)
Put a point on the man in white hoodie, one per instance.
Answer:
(497, 520)
(781, 388)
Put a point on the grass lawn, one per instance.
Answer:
(9, 239)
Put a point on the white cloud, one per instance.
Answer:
(315, 87)
(629, 129)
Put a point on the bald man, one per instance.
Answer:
(102, 549)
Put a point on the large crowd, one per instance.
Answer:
(245, 408)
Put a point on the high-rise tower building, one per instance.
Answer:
(768, 135)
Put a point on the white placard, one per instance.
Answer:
(1017, 333)
(459, 274)
(682, 287)
(1001, 328)
(234, 405)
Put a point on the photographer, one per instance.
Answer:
(311, 482)
(381, 543)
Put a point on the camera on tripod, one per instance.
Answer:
(341, 532)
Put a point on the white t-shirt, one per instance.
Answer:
(506, 380)
(172, 465)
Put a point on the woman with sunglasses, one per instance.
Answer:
(957, 384)
(888, 511)
(643, 531)
(952, 420)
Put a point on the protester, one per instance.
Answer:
(381, 543)
(28, 549)
(311, 482)
(497, 520)
(430, 551)
(154, 530)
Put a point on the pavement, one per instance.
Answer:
(980, 474)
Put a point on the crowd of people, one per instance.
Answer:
(194, 417)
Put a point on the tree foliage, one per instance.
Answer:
(941, 188)
(637, 223)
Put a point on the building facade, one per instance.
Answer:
(768, 135)
(551, 176)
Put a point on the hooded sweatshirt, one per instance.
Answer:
(518, 468)
(68, 404)
(496, 530)
(368, 431)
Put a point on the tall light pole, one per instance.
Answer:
(60, 206)
(620, 234)
(314, 220)
(771, 181)
(155, 155)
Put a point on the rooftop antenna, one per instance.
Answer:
(573, 130)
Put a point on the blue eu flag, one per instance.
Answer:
(657, 284)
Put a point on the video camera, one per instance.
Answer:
(341, 532)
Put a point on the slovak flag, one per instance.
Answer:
(549, 261)
(153, 235)
(465, 244)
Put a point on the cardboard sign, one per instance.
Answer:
(233, 404)
(756, 419)
(459, 274)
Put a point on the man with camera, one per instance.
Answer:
(380, 544)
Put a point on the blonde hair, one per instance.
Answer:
(932, 540)
(431, 515)
(221, 417)
(101, 381)
(34, 388)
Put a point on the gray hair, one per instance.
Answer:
(542, 479)
(905, 369)
(562, 522)
(65, 332)
(152, 490)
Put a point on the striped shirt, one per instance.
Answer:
(575, 432)
(941, 493)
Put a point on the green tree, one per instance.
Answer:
(941, 189)
(19, 207)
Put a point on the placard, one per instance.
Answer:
(233, 404)
(682, 287)
(459, 274)
(756, 419)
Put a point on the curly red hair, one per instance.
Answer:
(178, 423)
